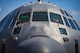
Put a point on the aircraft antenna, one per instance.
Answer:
(39, 0)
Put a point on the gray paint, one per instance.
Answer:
(39, 36)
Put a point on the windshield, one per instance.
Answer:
(56, 18)
(40, 16)
(24, 18)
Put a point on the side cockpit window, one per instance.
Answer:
(24, 18)
(56, 18)
(63, 31)
(40, 16)
(9, 20)
(16, 30)
(76, 25)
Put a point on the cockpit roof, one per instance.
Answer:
(40, 7)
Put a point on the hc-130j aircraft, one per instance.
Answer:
(39, 27)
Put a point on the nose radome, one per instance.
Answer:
(42, 45)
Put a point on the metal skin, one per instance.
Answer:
(38, 36)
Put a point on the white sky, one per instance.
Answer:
(75, 12)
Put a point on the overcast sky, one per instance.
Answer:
(72, 6)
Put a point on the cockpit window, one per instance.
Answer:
(62, 11)
(76, 24)
(63, 31)
(72, 24)
(66, 13)
(40, 16)
(66, 22)
(17, 30)
(70, 16)
(56, 18)
(24, 18)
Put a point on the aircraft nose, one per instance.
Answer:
(41, 45)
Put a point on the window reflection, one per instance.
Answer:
(40, 16)
(24, 18)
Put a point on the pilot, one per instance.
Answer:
(55, 20)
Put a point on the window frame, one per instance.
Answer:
(15, 18)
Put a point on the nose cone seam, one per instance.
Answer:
(39, 36)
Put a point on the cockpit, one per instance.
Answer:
(37, 16)
(40, 16)
(49, 17)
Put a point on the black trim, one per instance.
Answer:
(76, 46)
